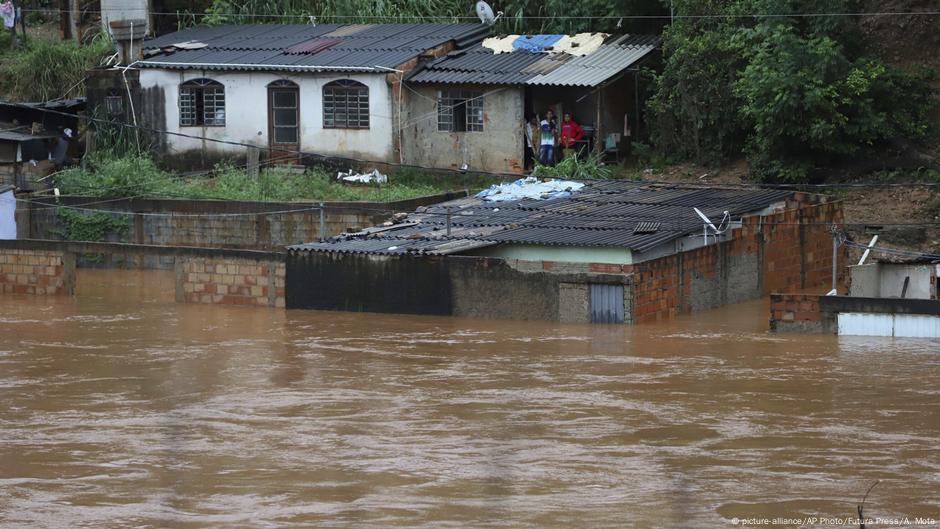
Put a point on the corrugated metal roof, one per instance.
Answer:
(603, 213)
(479, 65)
(296, 47)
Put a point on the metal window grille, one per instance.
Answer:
(202, 103)
(345, 105)
(460, 111)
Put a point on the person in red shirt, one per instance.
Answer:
(571, 132)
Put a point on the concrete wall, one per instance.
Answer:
(191, 222)
(887, 280)
(231, 280)
(36, 271)
(459, 286)
(497, 149)
(246, 116)
(823, 314)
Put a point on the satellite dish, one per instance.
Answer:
(485, 12)
(716, 230)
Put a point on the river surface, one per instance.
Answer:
(120, 408)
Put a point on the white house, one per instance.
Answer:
(206, 93)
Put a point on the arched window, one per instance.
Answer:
(345, 105)
(202, 103)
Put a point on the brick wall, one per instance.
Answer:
(788, 250)
(39, 272)
(230, 281)
(800, 313)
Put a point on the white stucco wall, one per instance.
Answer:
(246, 113)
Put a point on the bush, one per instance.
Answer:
(576, 167)
(794, 93)
(47, 69)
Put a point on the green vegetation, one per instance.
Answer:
(576, 167)
(46, 69)
(792, 93)
(520, 16)
(138, 176)
(96, 226)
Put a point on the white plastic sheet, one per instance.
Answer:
(531, 188)
(372, 177)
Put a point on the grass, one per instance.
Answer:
(45, 69)
(139, 176)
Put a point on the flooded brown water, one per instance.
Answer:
(121, 408)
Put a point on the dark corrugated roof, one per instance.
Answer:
(296, 47)
(480, 65)
(603, 213)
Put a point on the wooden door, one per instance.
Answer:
(284, 121)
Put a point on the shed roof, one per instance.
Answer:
(634, 215)
(299, 47)
(481, 65)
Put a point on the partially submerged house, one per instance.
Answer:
(469, 107)
(329, 89)
(607, 251)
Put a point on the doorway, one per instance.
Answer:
(284, 121)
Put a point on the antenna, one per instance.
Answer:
(485, 12)
(716, 231)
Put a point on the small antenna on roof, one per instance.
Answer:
(485, 12)
(313, 20)
(716, 231)
(619, 23)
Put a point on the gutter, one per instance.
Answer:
(229, 66)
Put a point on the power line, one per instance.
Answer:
(614, 18)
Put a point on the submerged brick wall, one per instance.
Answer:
(788, 250)
(41, 272)
(230, 281)
(796, 312)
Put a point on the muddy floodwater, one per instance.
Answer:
(120, 408)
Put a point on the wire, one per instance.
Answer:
(892, 251)
(343, 159)
(530, 17)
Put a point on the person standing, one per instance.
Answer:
(571, 132)
(531, 129)
(546, 142)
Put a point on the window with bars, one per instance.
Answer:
(202, 103)
(460, 111)
(345, 105)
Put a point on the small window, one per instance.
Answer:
(345, 105)
(460, 111)
(202, 103)
(114, 103)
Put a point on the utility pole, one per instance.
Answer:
(835, 258)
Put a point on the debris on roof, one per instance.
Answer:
(531, 188)
(576, 45)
